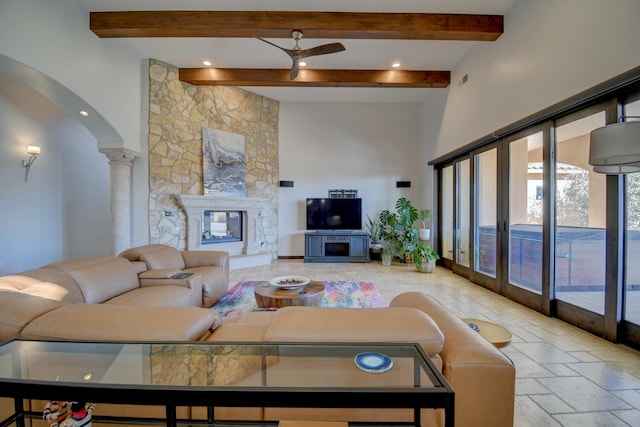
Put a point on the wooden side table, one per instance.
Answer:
(273, 297)
(495, 334)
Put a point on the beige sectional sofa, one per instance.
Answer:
(38, 302)
(118, 299)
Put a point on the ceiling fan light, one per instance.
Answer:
(395, 64)
(207, 63)
(302, 64)
(615, 147)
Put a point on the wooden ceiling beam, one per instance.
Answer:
(314, 78)
(279, 24)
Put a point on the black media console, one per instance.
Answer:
(336, 246)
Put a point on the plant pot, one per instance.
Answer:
(426, 265)
(387, 256)
(376, 246)
(425, 233)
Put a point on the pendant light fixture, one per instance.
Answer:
(615, 149)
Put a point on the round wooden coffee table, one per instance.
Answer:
(495, 334)
(268, 296)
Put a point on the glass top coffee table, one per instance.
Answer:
(223, 374)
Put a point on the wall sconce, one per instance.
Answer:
(615, 149)
(34, 150)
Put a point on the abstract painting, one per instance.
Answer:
(223, 163)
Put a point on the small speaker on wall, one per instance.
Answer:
(286, 184)
(403, 184)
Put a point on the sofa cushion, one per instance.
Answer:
(17, 309)
(72, 293)
(100, 278)
(31, 286)
(155, 296)
(123, 323)
(214, 283)
(365, 325)
(156, 256)
(168, 258)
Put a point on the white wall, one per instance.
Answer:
(431, 112)
(52, 37)
(367, 147)
(550, 51)
(62, 212)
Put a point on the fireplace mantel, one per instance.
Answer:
(249, 251)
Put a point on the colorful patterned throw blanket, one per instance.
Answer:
(240, 299)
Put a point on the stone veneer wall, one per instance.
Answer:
(177, 113)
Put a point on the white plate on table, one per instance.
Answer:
(289, 282)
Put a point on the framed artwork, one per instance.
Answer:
(223, 163)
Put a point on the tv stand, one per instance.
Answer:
(336, 246)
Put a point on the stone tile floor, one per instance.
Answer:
(565, 376)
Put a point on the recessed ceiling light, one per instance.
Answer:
(84, 113)
(396, 64)
(207, 63)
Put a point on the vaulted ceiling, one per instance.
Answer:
(426, 43)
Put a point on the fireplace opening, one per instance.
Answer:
(221, 227)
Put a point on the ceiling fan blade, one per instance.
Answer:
(321, 50)
(294, 69)
(289, 52)
(296, 54)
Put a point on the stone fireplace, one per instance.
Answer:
(249, 250)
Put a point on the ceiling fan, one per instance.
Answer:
(297, 53)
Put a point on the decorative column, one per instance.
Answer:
(120, 162)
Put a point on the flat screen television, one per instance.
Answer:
(334, 214)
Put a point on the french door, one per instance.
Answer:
(486, 232)
(528, 218)
(525, 217)
(454, 219)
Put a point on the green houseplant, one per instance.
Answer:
(397, 229)
(424, 258)
(375, 229)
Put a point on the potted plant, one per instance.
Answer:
(424, 258)
(375, 231)
(425, 231)
(397, 229)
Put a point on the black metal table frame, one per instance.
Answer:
(173, 396)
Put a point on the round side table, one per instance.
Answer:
(268, 296)
(495, 334)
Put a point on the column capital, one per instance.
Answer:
(121, 156)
